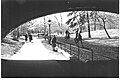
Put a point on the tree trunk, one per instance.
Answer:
(105, 29)
(95, 21)
(17, 32)
(78, 23)
(89, 35)
(44, 26)
(95, 25)
(61, 19)
(61, 22)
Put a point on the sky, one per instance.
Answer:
(40, 20)
(52, 18)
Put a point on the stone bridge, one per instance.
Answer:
(17, 12)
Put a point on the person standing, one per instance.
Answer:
(54, 43)
(46, 34)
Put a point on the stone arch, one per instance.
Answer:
(17, 12)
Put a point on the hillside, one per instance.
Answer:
(100, 37)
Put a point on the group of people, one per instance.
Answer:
(77, 38)
(28, 36)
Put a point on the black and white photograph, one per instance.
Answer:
(59, 38)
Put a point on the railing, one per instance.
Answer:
(80, 52)
(75, 50)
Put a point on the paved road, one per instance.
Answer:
(35, 50)
(31, 61)
(58, 68)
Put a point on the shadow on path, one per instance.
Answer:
(56, 68)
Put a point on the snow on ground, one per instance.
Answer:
(109, 42)
(35, 50)
(9, 47)
(101, 34)
(98, 34)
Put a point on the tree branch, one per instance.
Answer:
(57, 21)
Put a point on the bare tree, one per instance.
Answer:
(57, 21)
(60, 24)
(61, 19)
(104, 19)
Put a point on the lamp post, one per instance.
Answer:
(49, 23)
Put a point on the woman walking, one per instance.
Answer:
(54, 43)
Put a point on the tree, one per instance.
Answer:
(104, 18)
(14, 34)
(79, 19)
(59, 22)
(44, 27)
(74, 21)
(93, 15)
(89, 35)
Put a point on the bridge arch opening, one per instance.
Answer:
(60, 23)
(14, 12)
(17, 12)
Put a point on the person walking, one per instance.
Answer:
(80, 38)
(67, 36)
(54, 43)
(26, 37)
(30, 38)
(76, 37)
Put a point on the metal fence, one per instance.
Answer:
(82, 53)
(77, 51)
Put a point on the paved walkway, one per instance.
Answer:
(35, 50)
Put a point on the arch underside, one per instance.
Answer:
(17, 12)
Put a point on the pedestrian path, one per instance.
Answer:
(35, 50)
